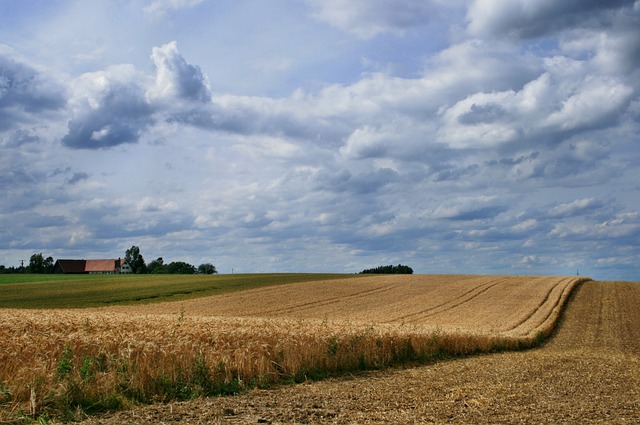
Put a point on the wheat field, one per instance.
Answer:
(587, 373)
(505, 305)
(55, 362)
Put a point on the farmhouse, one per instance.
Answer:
(110, 266)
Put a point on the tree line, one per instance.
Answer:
(134, 258)
(39, 264)
(399, 269)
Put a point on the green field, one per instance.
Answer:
(78, 291)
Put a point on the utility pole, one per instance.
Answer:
(22, 265)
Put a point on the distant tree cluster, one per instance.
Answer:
(39, 264)
(133, 257)
(8, 270)
(399, 269)
(157, 266)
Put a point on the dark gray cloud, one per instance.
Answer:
(18, 137)
(478, 213)
(110, 108)
(536, 19)
(487, 113)
(510, 162)
(119, 105)
(16, 176)
(367, 19)
(78, 177)
(453, 172)
(358, 183)
(371, 182)
(25, 93)
(107, 127)
(37, 221)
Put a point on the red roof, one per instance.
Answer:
(87, 266)
(100, 266)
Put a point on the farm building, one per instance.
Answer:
(110, 266)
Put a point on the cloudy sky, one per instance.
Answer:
(487, 136)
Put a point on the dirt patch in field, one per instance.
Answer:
(589, 372)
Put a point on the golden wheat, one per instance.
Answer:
(517, 306)
(58, 359)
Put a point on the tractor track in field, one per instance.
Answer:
(290, 309)
(588, 372)
(451, 304)
(556, 304)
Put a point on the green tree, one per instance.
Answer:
(207, 268)
(133, 257)
(156, 266)
(180, 267)
(39, 264)
(399, 269)
(48, 264)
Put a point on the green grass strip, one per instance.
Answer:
(80, 291)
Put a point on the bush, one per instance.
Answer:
(399, 269)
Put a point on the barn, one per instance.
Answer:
(108, 266)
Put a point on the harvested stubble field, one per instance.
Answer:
(289, 333)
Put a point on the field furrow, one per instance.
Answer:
(479, 304)
(322, 300)
(463, 298)
(546, 313)
(476, 304)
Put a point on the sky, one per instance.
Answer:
(483, 137)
